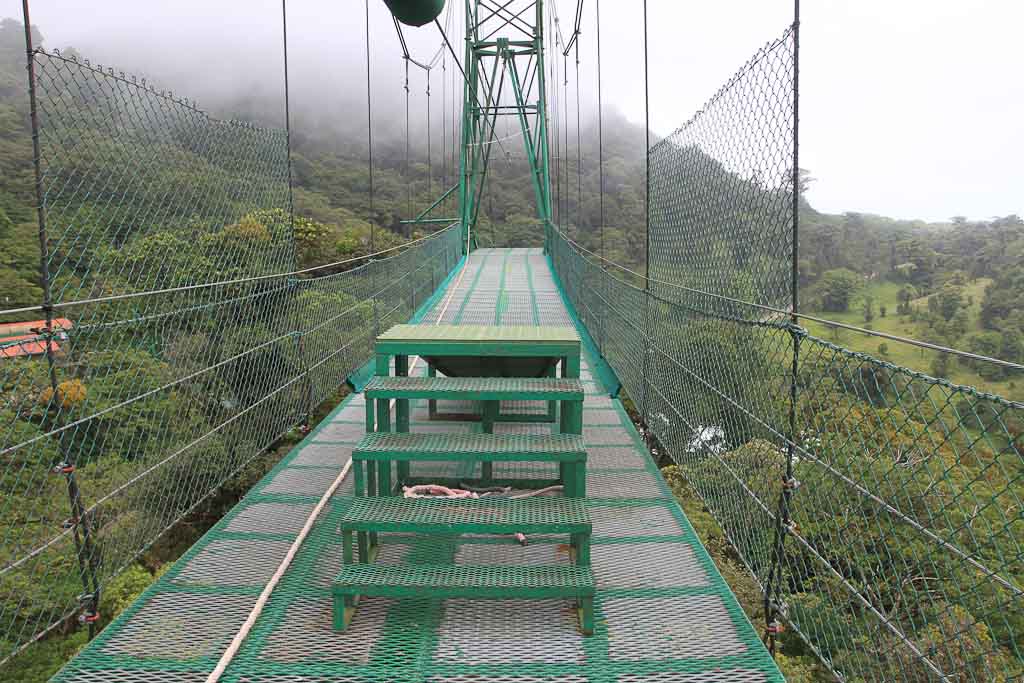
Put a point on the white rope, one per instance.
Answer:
(257, 609)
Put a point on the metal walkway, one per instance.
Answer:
(663, 611)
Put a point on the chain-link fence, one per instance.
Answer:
(177, 340)
(879, 509)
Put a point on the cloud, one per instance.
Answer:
(909, 108)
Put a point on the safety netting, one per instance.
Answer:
(175, 339)
(878, 508)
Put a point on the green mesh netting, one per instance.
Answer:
(183, 343)
(880, 509)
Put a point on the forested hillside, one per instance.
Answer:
(958, 285)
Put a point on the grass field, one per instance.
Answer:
(907, 355)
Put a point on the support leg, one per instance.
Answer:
(371, 424)
(401, 416)
(432, 403)
(346, 547)
(490, 416)
(359, 477)
(344, 609)
(384, 478)
(364, 547)
(586, 610)
(366, 544)
(552, 405)
(581, 546)
(579, 473)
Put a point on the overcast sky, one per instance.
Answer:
(909, 108)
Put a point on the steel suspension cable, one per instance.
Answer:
(600, 131)
(647, 223)
(647, 156)
(408, 179)
(430, 162)
(565, 130)
(369, 128)
(579, 141)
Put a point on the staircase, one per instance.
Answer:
(382, 462)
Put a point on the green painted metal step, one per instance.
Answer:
(472, 447)
(460, 516)
(476, 388)
(463, 581)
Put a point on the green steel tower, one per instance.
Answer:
(504, 69)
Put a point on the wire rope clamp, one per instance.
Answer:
(62, 468)
(790, 483)
(90, 598)
(774, 628)
(89, 616)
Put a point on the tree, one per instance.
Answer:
(949, 300)
(986, 344)
(959, 324)
(940, 364)
(869, 308)
(906, 294)
(838, 287)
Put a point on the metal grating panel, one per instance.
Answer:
(270, 518)
(665, 565)
(305, 634)
(448, 512)
(510, 632)
(455, 444)
(615, 457)
(680, 627)
(347, 432)
(634, 520)
(190, 625)
(322, 455)
(232, 562)
(305, 481)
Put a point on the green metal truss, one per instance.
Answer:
(503, 44)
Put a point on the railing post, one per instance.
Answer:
(79, 520)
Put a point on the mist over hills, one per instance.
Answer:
(845, 260)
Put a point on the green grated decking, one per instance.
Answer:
(476, 388)
(500, 516)
(663, 612)
(551, 581)
(461, 335)
(472, 447)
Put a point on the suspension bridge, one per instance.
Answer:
(877, 509)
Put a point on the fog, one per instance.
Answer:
(908, 108)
